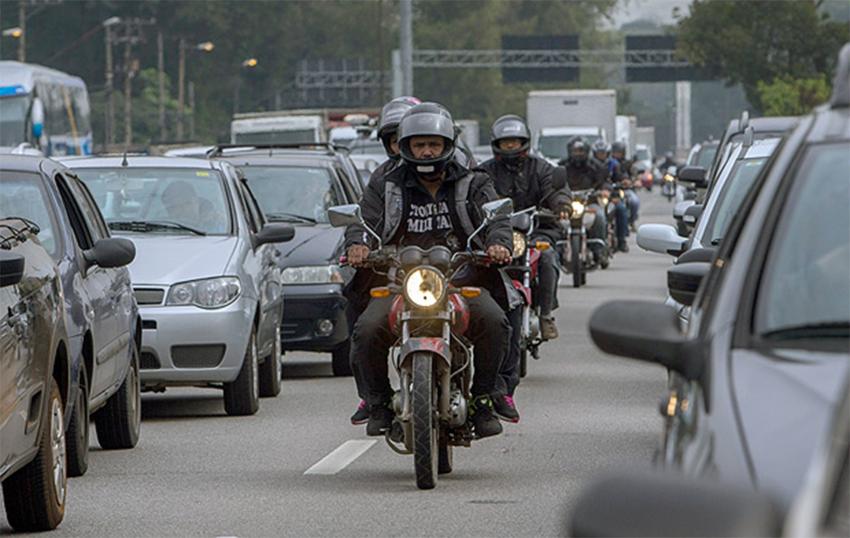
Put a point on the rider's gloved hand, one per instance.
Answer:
(357, 255)
(499, 254)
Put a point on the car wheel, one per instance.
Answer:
(119, 422)
(241, 396)
(78, 430)
(340, 359)
(35, 495)
(271, 370)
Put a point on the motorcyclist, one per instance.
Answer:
(618, 152)
(527, 180)
(668, 162)
(604, 160)
(428, 200)
(583, 174)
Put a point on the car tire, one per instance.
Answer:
(119, 422)
(340, 359)
(78, 429)
(35, 495)
(241, 396)
(271, 370)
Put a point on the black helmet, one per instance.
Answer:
(427, 119)
(618, 147)
(509, 126)
(391, 115)
(577, 150)
(601, 146)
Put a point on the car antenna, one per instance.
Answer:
(124, 162)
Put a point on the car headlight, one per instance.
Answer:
(578, 208)
(425, 287)
(207, 293)
(519, 244)
(313, 274)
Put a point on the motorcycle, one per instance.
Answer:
(579, 253)
(668, 188)
(432, 357)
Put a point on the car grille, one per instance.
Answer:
(149, 361)
(199, 356)
(149, 296)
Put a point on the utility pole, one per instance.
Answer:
(382, 93)
(192, 107)
(128, 88)
(181, 78)
(22, 24)
(406, 47)
(160, 63)
(109, 124)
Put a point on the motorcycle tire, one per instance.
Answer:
(604, 261)
(523, 360)
(425, 434)
(575, 260)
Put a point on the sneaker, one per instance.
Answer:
(548, 329)
(361, 416)
(380, 419)
(484, 422)
(624, 247)
(505, 408)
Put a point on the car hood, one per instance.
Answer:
(166, 259)
(786, 402)
(312, 245)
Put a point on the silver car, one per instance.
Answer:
(205, 277)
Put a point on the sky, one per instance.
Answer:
(656, 10)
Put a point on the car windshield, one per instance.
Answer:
(22, 194)
(706, 156)
(555, 146)
(13, 120)
(642, 154)
(162, 200)
(731, 196)
(293, 193)
(805, 288)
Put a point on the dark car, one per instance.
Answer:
(297, 186)
(34, 379)
(768, 346)
(101, 315)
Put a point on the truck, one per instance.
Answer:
(556, 116)
(626, 133)
(300, 126)
(646, 140)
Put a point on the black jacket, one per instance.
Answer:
(587, 176)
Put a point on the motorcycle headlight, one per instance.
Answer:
(668, 177)
(603, 201)
(314, 274)
(424, 287)
(578, 208)
(519, 244)
(209, 293)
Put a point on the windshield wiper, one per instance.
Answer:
(827, 329)
(289, 217)
(149, 225)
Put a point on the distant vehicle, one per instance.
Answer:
(560, 112)
(198, 152)
(626, 132)
(44, 107)
(276, 128)
(34, 381)
(205, 277)
(469, 131)
(645, 137)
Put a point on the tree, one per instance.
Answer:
(759, 41)
(786, 96)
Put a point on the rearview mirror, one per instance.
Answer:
(692, 214)
(660, 238)
(684, 279)
(345, 215)
(695, 175)
(273, 233)
(502, 207)
(111, 252)
(656, 504)
(11, 268)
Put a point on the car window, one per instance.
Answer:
(89, 210)
(293, 193)
(23, 194)
(129, 198)
(729, 199)
(82, 233)
(348, 186)
(805, 287)
(706, 156)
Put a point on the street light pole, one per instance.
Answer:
(181, 77)
(406, 46)
(128, 91)
(22, 24)
(160, 63)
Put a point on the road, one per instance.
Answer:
(197, 472)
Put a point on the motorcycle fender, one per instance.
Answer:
(437, 346)
(525, 292)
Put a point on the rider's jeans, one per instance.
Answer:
(489, 331)
(508, 378)
(547, 281)
(634, 205)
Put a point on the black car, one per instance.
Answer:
(768, 347)
(100, 311)
(297, 185)
(35, 375)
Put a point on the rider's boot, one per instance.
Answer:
(505, 408)
(484, 422)
(361, 415)
(548, 328)
(380, 419)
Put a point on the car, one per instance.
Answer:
(35, 373)
(101, 314)
(205, 277)
(767, 350)
(297, 186)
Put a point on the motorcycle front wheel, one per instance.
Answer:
(575, 260)
(425, 434)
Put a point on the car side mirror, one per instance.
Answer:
(502, 207)
(111, 252)
(345, 215)
(692, 214)
(660, 238)
(667, 504)
(684, 279)
(695, 175)
(11, 268)
(37, 119)
(273, 233)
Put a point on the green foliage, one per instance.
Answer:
(791, 97)
(761, 40)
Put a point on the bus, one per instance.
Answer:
(44, 107)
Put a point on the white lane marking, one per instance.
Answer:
(341, 458)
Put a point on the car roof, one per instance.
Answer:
(761, 148)
(279, 158)
(23, 163)
(138, 161)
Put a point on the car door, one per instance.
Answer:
(14, 355)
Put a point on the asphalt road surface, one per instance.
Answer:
(299, 468)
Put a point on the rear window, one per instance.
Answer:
(22, 194)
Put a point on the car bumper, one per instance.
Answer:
(186, 345)
(307, 308)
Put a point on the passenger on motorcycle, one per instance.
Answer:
(583, 174)
(428, 200)
(618, 152)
